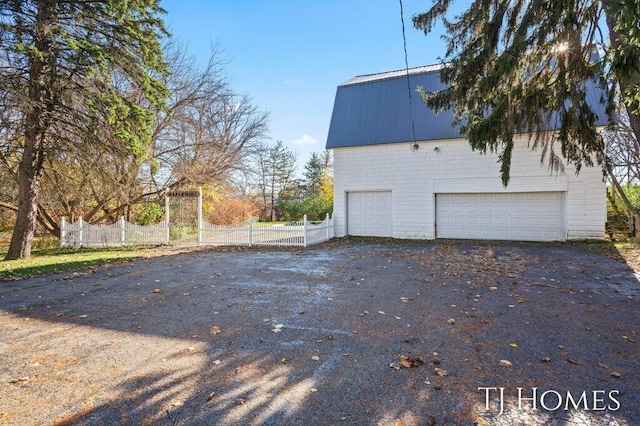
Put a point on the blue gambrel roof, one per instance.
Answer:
(374, 109)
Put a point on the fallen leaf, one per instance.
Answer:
(18, 380)
(284, 361)
(315, 358)
(451, 321)
(313, 390)
(240, 401)
(480, 421)
(157, 290)
(409, 362)
(440, 372)
(603, 365)
(214, 330)
(545, 359)
(381, 312)
(505, 363)
(513, 345)
(616, 374)
(573, 361)
(211, 396)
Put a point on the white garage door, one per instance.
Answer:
(530, 216)
(369, 213)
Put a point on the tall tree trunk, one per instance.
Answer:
(29, 174)
(625, 80)
(37, 109)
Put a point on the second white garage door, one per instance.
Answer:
(527, 216)
(369, 213)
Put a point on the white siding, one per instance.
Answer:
(414, 176)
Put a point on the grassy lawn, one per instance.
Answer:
(50, 261)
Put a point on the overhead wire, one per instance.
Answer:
(406, 65)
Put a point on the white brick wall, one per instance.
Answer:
(414, 176)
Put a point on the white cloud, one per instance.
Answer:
(305, 140)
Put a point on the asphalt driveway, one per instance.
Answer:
(349, 332)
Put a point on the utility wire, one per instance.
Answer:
(406, 65)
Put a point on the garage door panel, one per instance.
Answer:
(511, 216)
(369, 213)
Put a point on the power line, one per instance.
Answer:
(406, 65)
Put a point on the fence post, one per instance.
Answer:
(250, 230)
(326, 220)
(166, 217)
(304, 221)
(123, 236)
(199, 238)
(80, 236)
(63, 232)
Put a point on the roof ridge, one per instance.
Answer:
(364, 78)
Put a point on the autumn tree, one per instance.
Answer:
(208, 128)
(70, 71)
(518, 66)
(198, 137)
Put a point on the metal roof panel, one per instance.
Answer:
(374, 109)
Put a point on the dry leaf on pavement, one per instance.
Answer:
(440, 372)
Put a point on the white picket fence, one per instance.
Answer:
(250, 233)
(121, 233)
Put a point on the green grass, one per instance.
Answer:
(51, 261)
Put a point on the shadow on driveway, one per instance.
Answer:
(271, 337)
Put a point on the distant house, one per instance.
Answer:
(388, 184)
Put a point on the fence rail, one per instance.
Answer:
(250, 233)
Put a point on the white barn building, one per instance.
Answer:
(389, 184)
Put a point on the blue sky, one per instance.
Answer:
(290, 55)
